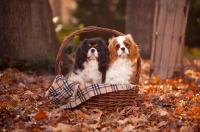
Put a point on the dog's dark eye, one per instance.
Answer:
(97, 47)
(87, 47)
(126, 44)
(117, 46)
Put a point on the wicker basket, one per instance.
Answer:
(120, 98)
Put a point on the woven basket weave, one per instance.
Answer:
(104, 101)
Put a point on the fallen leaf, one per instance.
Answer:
(163, 112)
(152, 129)
(40, 115)
(179, 110)
(162, 123)
(128, 128)
(60, 127)
(185, 129)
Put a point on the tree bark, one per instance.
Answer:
(56, 7)
(27, 30)
(139, 23)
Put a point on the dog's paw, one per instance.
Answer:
(76, 79)
(79, 80)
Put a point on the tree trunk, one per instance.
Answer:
(168, 39)
(56, 9)
(27, 30)
(139, 24)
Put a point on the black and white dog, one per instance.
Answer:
(91, 62)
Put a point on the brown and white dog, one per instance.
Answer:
(91, 62)
(123, 53)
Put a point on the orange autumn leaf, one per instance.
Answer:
(195, 110)
(181, 80)
(146, 97)
(179, 110)
(5, 78)
(5, 104)
(118, 129)
(189, 94)
(151, 107)
(197, 74)
(151, 88)
(197, 98)
(177, 100)
(2, 105)
(168, 81)
(155, 80)
(189, 72)
(158, 79)
(152, 124)
(60, 127)
(175, 80)
(15, 90)
(189, 113)
(36, 130)
(80, 113)
(85, 129)
(191, 85)
(40, 115)
(197, 117)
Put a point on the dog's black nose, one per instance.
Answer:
(92, 50)
(123, 49)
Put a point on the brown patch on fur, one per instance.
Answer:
(132, 79)
(89, 45)
(133, 49)
(112, 48)
(92, 45)
(133, 54)
(95, 45)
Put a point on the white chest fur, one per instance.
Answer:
(90, 73)
(119, 72)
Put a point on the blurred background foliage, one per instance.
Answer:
(47, 64)
(110, 14)
(192, 40)
(63, 30)
(193, 25)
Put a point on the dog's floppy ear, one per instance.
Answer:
(134, 51)
(104, 52)
(81, 55)
(112, 49)
(103, 58)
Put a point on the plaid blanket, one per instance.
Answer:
(71, 94)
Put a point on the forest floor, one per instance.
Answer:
(172, 105)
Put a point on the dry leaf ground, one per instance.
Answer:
(172, 105)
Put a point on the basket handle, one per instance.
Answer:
(69, 37)
(84, 30)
